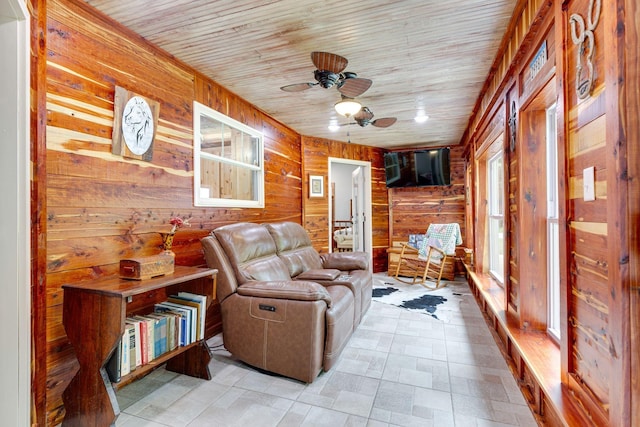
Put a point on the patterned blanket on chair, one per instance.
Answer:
(442, 236)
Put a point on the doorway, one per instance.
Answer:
(15, 229)
(349, 204)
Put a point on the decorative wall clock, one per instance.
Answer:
(134, 125)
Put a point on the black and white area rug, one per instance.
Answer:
(442, 304)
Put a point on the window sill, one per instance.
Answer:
(533, 357)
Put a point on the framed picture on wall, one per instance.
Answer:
(135, 121)
(316, 186)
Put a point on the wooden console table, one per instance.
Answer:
(94, 319)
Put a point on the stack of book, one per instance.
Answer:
(176, 322)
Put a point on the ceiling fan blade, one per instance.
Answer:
(384, 122)
(329, 62)
(298, 87)
(354, 87)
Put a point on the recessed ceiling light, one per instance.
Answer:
(421, 117)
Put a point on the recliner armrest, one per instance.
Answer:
(345, 261)
(294, 290)
(319, 274)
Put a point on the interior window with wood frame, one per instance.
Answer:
(491, 242)
(540, 207)
(553, 228)
(228, 161)
(495, 190)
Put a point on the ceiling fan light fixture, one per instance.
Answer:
(347, 107)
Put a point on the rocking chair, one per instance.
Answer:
(436, 257)
(430, 268)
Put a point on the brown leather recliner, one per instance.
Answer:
(294, 328)
(294, 248)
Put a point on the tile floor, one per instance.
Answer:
(400, 369)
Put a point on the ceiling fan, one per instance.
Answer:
(330, 72)
(364, 117)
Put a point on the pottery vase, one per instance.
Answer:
(167, 241)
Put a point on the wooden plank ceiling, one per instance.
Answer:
(432, 55)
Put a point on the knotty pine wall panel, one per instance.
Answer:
(103, 207)
(599, 307)
(527, 13)
(513, 294)
(413, 209)
(532, 216)
(590, 361)
(631, 112)
(589, 308)
(316, 152)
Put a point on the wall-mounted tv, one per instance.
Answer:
(417, 168)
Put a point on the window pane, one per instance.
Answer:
(554, 278)
(496, 249)
(211, 136)
(496, 183)
(228, 163)
(227, 181)
(496, 217)
(553, 231)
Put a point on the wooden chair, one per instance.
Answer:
(430, 268)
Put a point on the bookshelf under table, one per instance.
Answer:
(94, 318)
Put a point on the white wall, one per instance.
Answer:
(341, 175)
(15, 357)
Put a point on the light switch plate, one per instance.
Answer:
(588, 179)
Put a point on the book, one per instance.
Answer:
(172, 330)
(195, 323)
(153, 327)
(136, 358)
(125, 365)
(160, 334)
(189, 314)
(113, 364)
(190, 323)
(202, 300)
(131, 328)
(146, 336)
(174, 320)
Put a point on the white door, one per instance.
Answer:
(15, 311)
(357, 208)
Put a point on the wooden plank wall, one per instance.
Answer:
(38, 147)
(526, 12)
(101, 207)
(589, 325)
(413, 209)
(599, 344)
(512, 214)
(316, 152)
(632, 139)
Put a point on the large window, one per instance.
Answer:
(228, 161)
(495, 179)
(553, 232)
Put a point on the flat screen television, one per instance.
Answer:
(418, 168)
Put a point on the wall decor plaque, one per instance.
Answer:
(582, 36)
(135, 120)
